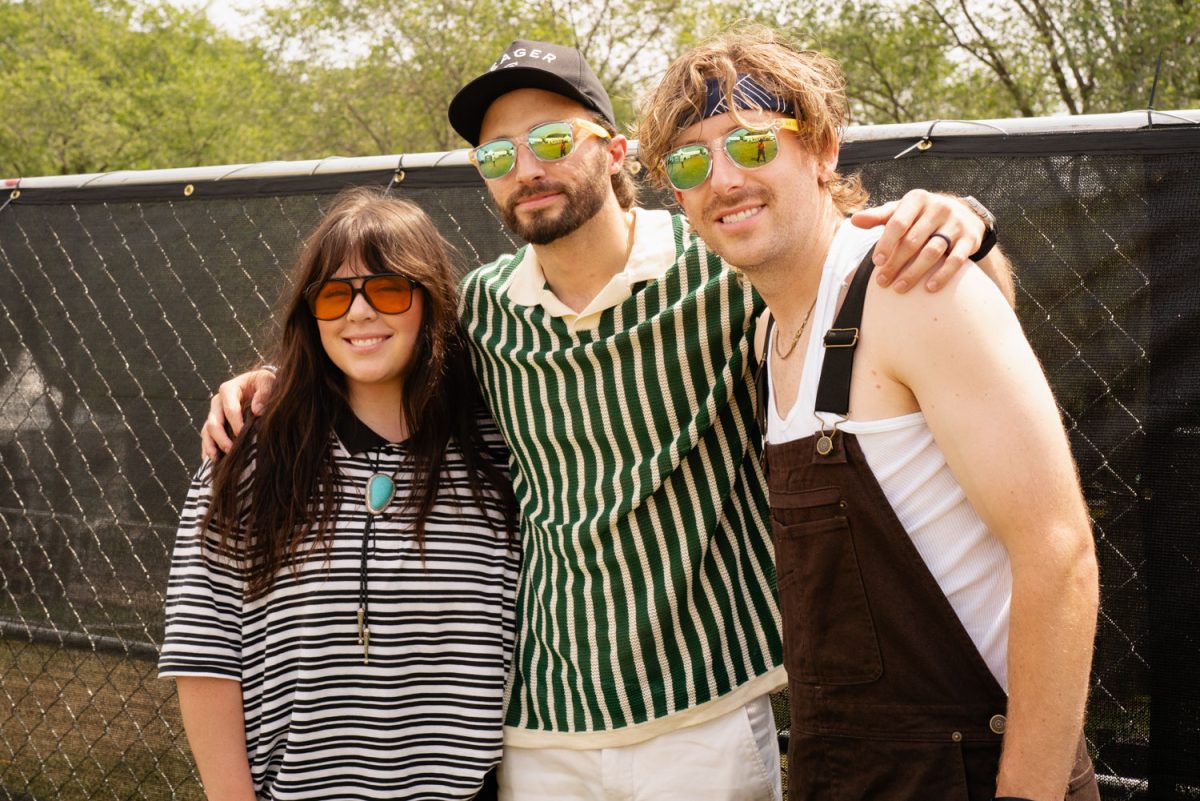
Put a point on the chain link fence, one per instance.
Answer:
(125, 306)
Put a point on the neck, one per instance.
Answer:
(579, 265)
(380, 408)
(789, 289)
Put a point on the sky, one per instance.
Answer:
(231, 16)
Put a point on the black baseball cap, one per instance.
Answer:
(527, 64)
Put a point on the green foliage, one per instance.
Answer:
(913, 60)
(98, 85)
(973, 59)
(381, 73)
(1077, 56)
(93, 87)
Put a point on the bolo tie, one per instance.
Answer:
(378, 493)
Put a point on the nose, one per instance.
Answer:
(360, 309)
(726, 176)
(528, 167)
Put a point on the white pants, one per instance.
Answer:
(732, 758)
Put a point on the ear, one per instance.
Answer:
(827, 165)
(618, 148)
(679, 198)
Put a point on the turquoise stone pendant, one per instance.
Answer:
(379, 492)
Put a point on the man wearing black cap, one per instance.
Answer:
(614, 351)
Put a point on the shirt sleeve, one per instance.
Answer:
(204, 597)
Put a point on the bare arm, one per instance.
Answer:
(991, 411)
(908, 250)
(226, 407)
(216, 731)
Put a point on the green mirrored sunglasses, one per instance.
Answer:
(689, 165)
(549, 141)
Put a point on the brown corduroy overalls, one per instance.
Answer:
(890, 698)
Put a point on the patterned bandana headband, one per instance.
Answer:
(747, 94)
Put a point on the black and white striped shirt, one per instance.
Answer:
(423, 718)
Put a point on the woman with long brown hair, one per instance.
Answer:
(340, 607)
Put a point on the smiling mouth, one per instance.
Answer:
(745, 214)
(365, 342)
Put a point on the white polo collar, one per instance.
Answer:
(652, 254)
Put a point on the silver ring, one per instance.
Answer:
(940, 235)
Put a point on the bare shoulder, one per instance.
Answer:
(969, 305)
(954, 343)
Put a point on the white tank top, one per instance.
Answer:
(969, 564)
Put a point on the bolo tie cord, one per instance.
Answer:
(364, 595)
(364, 609)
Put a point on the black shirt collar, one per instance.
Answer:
(356, 436)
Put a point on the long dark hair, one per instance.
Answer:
(269, 522)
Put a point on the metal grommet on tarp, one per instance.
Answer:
(188, 190)
(926, 142)
(397, 176)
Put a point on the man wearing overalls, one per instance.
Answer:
(936, 570)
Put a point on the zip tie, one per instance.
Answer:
(1150, 111)
(926, 141)
(1153, 91)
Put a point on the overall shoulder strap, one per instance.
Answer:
(762, 387)
(833, 392)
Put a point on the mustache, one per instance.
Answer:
(717, 205)
(534, 191)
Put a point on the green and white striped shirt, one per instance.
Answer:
(647, 595)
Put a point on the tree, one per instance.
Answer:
(101, 86)
(913, 60)
(382, 73)
(1078, 56)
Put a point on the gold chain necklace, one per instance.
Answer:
(796, 336)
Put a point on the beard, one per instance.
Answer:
(581, 203)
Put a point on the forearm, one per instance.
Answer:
(1051, 635)
(215, 723)
(998, 268)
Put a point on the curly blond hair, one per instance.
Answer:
(812, 81)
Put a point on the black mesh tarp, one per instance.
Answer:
(123, 308)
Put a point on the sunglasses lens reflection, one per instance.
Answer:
(687, 166)
(552, 141)
(751, 148)
(495, 159)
